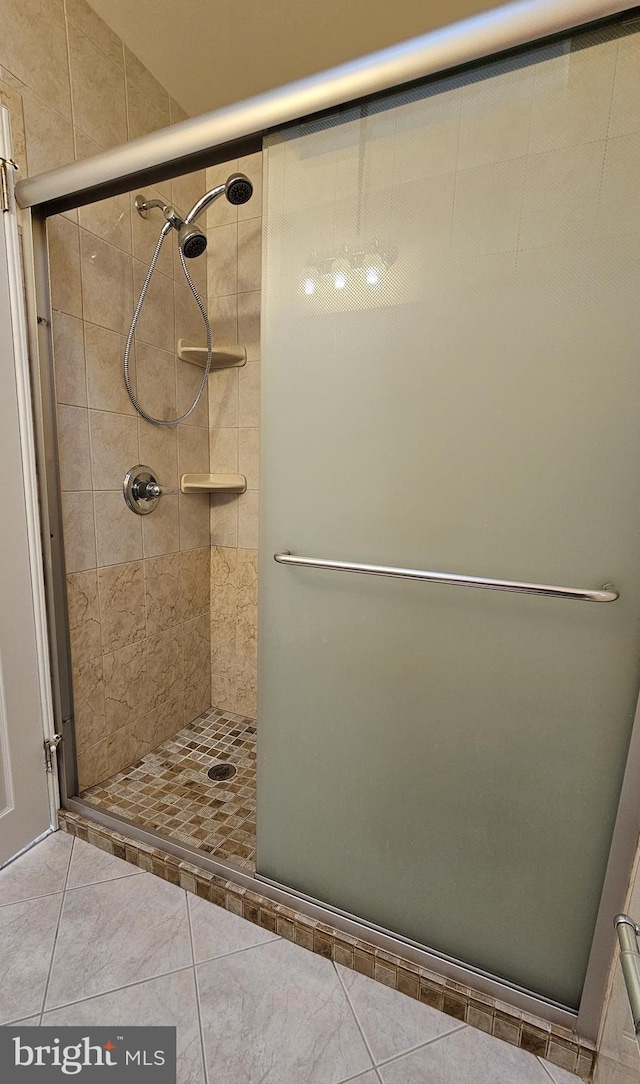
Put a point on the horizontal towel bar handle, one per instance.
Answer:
(607, 593)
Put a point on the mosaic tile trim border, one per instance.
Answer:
(558, 1045)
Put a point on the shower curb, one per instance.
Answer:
(556, 1044)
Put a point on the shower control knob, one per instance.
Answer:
(142, 490)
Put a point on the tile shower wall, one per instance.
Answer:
(234, 279)
(138, 588)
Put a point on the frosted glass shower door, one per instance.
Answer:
(451, 382)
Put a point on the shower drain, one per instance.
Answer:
(222, 771)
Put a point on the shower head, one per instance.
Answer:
(192, 240)
(237, 188)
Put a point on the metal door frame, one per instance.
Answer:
(216, 137)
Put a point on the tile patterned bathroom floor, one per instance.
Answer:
(87, 939)
(169, 790)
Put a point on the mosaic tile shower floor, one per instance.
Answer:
(169, 790)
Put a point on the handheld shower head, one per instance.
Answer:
(238, 189)
(192, 240)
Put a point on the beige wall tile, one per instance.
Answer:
(125, 685)
(189, 380)
(487, 208)
(69, 360)
(109, 219)
(159, 450)
(224, 450)
(118, 530)
(196, 646)
(145, 233)
(33, 46)
(249, 254)
(249, 324)
(114, 448)
(165, 669)
(193, 450)
(224, 519)
(176, 111)
(194, 521)
(249, 395)
(157, 323)
(156, 380)
(561, 195)
(88, 702)
(248, 520)
(165, 599)
(96, 29)
(625, 102)
(161, 528)
(104, 351)
(122, 605)
(64, 263)
(248, 456)
(222, 260)
(189, 322)
(223, 316)
(571, 104)
(187, 190)
(224, 606)
(195, 575)
(106, 284)
(494, 122)
(98, 93)
(223, 398)
(78, 527)
(49, 134)
(619, 187)
(127, 745)
(147, 100)
(251, 166)
(93, 765)
(73, 448)
(164, 721)
(13, 100)
(247, 616)
(84, 616)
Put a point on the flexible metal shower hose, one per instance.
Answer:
(136, 316)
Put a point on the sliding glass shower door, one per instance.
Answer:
(451, 383)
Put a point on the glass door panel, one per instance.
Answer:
(451, 382)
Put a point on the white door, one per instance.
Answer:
(25, 810)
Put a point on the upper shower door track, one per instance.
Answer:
(193, 143)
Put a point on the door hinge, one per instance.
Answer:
(50, 746)
(5, 165)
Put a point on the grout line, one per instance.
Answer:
(355, 1015)
(236, 952)
(420, 1046)
(117, 989)
(197, 989)
(550, 1074)
(107, 880)
(55, 939)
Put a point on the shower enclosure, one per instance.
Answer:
(449, 591)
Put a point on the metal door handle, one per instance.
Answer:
(607, 593)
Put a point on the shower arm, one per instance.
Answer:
(204, 202)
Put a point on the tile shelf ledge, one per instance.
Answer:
(213, 483)
(222, 357)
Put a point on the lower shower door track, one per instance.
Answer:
(442, 967)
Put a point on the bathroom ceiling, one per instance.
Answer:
(208, 53)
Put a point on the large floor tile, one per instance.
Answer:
(27, 935)
(90, 865)
(392, 1023)
(169, 1001)
(115, 933)
(39, 872)
(558, 1075)
(466, 1057)
(29, 1022)
(217, 932)
(277, 1014)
